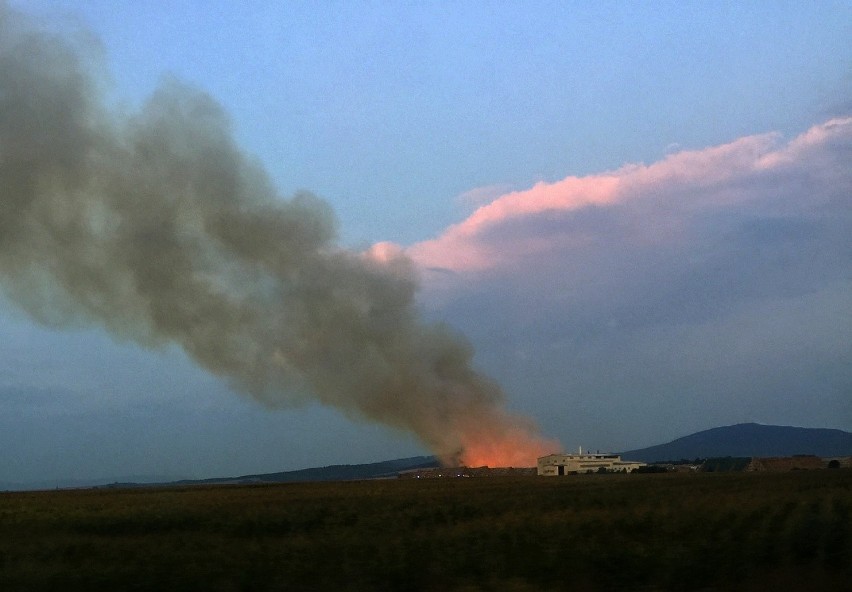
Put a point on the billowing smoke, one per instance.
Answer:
(155, 226)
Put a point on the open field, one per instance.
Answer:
(597, 532)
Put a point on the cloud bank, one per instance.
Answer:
(756, 176)
(714, 286)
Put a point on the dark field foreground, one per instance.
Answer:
(708, 531)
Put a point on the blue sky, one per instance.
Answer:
(381, 107)
(406, 118)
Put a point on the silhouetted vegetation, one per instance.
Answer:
(693, 531)
(652, 469)
(725, 464)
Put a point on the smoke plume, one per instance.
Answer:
(155, 226)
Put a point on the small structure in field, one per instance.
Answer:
(838, 462)
(571, 464)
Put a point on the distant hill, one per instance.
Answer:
(377, 470)
(742, 440)
(749, 439)
(66, 483)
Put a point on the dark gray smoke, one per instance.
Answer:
(155, 226)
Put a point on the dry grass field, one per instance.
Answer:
(790, 531)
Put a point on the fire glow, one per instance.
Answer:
(509, 442)
(518, 450)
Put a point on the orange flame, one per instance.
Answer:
(504, 442)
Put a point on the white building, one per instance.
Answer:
(570, 464)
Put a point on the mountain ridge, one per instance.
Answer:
(746, 440)
(738, 440)
(375, 470)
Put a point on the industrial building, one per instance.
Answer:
(570, 464)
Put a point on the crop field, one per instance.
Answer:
(710, 531)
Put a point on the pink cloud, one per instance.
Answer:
(687, 181)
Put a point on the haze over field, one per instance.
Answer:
(642, 227)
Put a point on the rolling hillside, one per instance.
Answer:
(749, 439)
(741, 440)
(377, 470)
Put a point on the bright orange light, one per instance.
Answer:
(502, 445)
